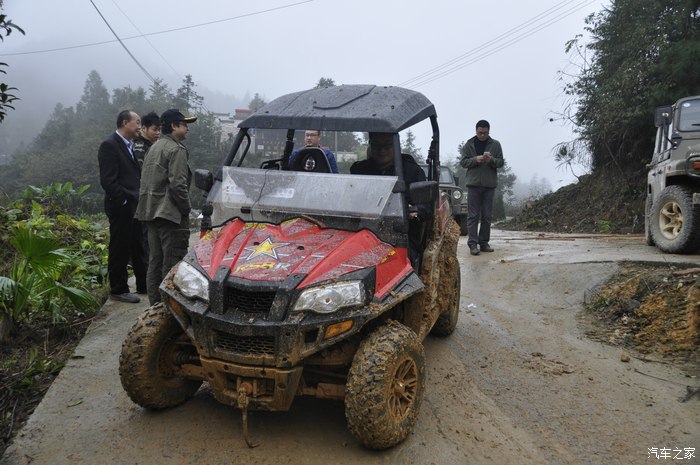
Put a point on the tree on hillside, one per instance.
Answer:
(325, 82)
(204, 142)
(160, 96)
(186, 98)
(93, 107)
(127, 98)
(504, 191)
(643, 53)
(257, 103)
(409, 146)
(6, 95)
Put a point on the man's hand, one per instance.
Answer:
(485, 158)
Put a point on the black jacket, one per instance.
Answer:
(120, 175)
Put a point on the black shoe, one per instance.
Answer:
(485, 247)
(125, 297)
(141, 291)
(474, 249)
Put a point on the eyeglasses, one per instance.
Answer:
(312, 135)
(387, 146)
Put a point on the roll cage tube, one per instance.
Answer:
(288, 147)
(433, 159)
(234, 147)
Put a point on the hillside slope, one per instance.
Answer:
(607, 201)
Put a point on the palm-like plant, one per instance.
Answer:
(35, 284)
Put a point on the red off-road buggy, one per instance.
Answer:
(302, 283)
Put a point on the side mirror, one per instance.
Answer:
(662, 116)
(203, 179)
(423, 192)
(456, 180)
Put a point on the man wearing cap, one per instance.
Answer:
(119, 177)
(164, 202)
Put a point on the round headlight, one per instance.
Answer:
(457, 194)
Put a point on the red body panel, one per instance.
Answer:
(265, 252)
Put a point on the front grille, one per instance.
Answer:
(248, 301)
(245, 345)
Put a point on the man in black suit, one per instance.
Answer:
(120, 177)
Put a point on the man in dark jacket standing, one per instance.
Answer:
(120, 177)
(164, 202)
(481, 156)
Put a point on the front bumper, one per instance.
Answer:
(258, 339)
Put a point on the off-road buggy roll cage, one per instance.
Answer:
(340, 108)
(337, 108)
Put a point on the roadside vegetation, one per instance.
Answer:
(53, 266)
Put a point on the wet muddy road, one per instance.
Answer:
(518, 382)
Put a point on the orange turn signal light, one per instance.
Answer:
(696, 165)
(337, 328)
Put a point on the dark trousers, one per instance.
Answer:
(480, 201)
(168, 243)
(125, 243)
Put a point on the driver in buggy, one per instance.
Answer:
(380, 161)
(312, 139)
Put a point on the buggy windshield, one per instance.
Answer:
(336, 200)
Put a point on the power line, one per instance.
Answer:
(159, 32)
(486, 49)
(122, 44)
(146, 39)
(152, 46)
(508, 33)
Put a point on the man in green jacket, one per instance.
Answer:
(481, 156)
(164, 201)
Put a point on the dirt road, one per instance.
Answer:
(517, 383)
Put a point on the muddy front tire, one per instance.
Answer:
(385, 386)
(147, 363)
(675, 221)
(447, 321)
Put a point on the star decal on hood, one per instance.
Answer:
(266, 247)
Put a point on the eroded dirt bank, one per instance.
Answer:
(518, 382)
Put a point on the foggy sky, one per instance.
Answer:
(289, 48)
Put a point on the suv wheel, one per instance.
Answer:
(675, 221)
(147, 364)
(385, 386)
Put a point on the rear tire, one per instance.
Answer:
(147, 362)
(385, 386)
(675, 221)
(447, 321)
